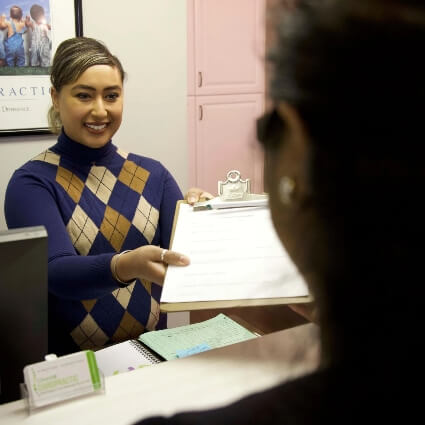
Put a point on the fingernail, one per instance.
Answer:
(184, 260)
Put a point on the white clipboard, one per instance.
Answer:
(236, 260)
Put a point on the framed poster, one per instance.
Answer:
(30, 31)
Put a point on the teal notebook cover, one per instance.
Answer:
(191, 339)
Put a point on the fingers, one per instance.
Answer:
(205, 196)
(174, 258)
(156, 269)
(148, 262)
(155, 272)
(196, 194)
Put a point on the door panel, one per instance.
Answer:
(229, 46)
(225, 139)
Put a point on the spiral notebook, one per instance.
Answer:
(166, 344)
(124, 357)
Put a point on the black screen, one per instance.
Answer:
(23, 305)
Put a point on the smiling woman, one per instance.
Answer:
(108, 213)
(91, 107)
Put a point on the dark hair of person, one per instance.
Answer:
(36, 11)
(353, 72)
(16, 12)
(74, 56)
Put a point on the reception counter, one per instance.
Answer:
(209, 379)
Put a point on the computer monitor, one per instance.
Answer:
(23, 305)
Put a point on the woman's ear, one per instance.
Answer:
(291, 160)
(55, 100)
(292, 206)
(294, 124)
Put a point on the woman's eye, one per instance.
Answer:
(82, 96)
(112, 96)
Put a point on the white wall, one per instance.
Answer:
(149, 37)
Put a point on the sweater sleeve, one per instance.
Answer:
(170, 196)
(30, 201)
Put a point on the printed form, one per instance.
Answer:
(235, 254)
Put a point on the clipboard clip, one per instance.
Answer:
(233, 193)
(234, 188)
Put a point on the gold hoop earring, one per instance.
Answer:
(286, 190)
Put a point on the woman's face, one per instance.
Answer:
(91, 107)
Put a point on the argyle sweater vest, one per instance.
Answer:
(94, 203)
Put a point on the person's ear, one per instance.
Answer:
(294, 124)
(55, 99)
(291, 161)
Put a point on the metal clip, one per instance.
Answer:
(234, 188)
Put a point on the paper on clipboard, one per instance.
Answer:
(236, 260)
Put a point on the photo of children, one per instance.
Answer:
(25, 37)
(41, 45)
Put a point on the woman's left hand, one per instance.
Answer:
(195, 194)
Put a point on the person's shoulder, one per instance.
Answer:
(43, 164)
(144, 160)
(45, 158)
(151, 165)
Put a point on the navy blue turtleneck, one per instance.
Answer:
(94, 203)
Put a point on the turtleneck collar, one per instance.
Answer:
(81, 153)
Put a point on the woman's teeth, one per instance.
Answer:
(96, 127)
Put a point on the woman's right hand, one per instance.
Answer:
(146, 262)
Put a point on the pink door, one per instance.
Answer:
(226, 44)
(229, 46)
(225, 140)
